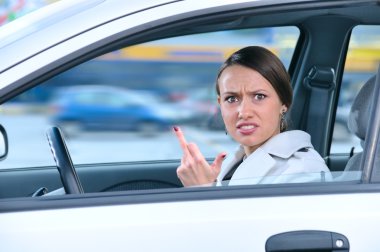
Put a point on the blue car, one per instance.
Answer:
(105, 108)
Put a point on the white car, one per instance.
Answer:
(117, 191)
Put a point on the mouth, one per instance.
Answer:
(247, 128)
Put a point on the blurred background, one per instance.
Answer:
(12, 9)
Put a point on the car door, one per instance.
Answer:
(337, 215)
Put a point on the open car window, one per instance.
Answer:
(121, 106)
(117, 111)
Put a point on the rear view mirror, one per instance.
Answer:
(3, 143)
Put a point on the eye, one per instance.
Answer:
(231, 99)
(260, 97)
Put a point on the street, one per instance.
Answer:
(29, 146)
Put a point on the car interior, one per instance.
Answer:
(358, 119)
(317, 69)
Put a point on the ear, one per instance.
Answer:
(284, 109)
(218, 99)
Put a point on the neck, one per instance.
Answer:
(250, 149)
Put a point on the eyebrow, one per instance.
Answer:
(250, 92)
(229, 93)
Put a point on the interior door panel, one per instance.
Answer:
(102, 177)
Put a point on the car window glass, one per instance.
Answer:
(121, 106)
(361, 64)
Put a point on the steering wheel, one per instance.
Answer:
(69, 177)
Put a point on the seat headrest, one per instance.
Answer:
(360, 110)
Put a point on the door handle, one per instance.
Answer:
(307, 240)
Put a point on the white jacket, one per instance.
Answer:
(289, 154)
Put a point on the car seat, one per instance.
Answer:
(358, 120)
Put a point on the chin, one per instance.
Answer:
(250, 143)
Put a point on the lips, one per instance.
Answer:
(246, 128)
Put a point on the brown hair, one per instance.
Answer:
(265, 63)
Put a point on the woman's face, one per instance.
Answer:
(250, 106)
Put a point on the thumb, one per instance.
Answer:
(217, 164)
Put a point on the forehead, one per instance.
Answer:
(237, 77)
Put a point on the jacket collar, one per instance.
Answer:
(283, 145)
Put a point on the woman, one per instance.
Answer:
(254, 94)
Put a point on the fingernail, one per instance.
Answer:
(175, 128)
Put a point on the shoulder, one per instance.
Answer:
(295, 148)
(307, 160)
(286, 144)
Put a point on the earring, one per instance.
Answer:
(282, 122)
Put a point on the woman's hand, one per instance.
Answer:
(194, 169)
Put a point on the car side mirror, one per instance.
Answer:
(3, 143)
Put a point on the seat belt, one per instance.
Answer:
(320, 82)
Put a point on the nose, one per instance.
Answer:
(245, 109)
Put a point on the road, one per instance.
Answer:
(29, 146)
